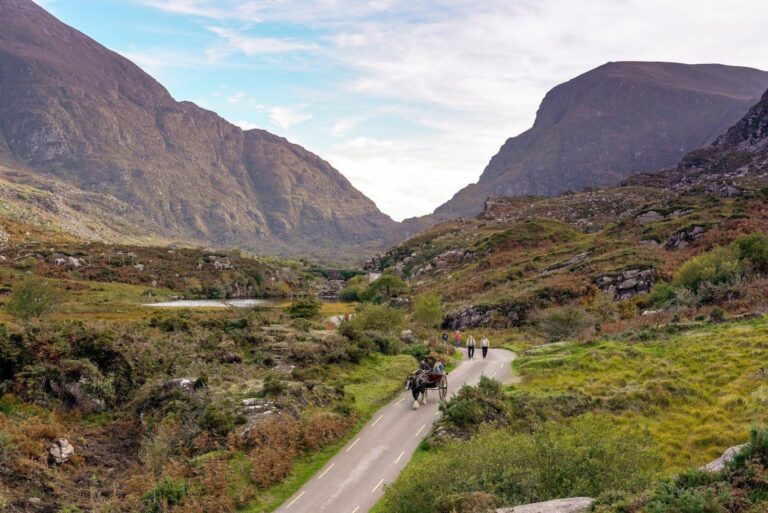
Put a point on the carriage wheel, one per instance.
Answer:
(442, 388)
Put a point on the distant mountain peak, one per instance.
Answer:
(611, 122)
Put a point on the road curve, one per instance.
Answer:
(354, 479)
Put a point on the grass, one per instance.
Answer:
(372, 383)
(697, 392)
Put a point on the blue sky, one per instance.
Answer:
(408, 98)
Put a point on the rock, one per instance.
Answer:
(572, 505)
(74, 262)
(649, 217)
(720, 463)
(683, 238)
(76, 394)
(626, 284)
(408, 336)
(647, 313)
(283, 368)
(60, 451)
(35, 501)
(185, 384)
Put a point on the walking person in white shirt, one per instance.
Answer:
(485, 344)
(471, 347)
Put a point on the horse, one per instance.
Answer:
(417, 384)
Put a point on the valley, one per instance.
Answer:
(201, 318)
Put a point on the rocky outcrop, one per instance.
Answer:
(627, 284)
(571, 505)
(720, 463)
(503, 315)
(684, 238)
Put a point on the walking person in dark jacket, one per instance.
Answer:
(484, 345)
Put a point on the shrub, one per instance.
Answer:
(428, 311)
(377, 318)
(322, 429)
(719, 266)
(34, 297)
(304, 308)
(717, 315)
(472, 406)
(386, 287)
(584, 457)
(217, 420)
(754, 248)
(168, 492)
(564, 322)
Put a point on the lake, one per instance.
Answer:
(219, 303)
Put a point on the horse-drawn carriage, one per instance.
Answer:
(435, 378)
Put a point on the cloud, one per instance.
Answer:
(464, 75)
(250, 45)
(246, 125)
(287, 116)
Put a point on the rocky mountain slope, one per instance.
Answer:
(522, 254)
(617, 120)
(77, 119)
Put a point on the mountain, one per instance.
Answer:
(524, 254)
(614, 121)
(79, 120)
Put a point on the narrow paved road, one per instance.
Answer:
(353, 481)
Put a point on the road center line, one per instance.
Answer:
(376, 422)
(501, 365)
(355, 510)
(353, 444)
(327, 470)
(377, 485)
(420, 430)
(492, 375)
(400, 401)
(398, 458)
(294, 500)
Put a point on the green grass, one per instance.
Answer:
(372, 383)
(697, 392)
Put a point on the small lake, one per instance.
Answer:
(219, 303)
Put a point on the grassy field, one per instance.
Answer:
(697, 392)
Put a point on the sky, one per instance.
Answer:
(409, 99)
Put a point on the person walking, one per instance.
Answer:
(471, 347)
(484, 345)
(457, 339)
(445, 339)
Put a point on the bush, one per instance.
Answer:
(216, 419)
(716, 267)
(564, 322)
(304, 308)
(754, 248)
(717, 315)
(584, 457)
(34, 297)
(376, 318)
(386, 287)
(428, 311)
(168, 492)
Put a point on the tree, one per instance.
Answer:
(386, 287)
(34, 297)
(304, 308)
(428, 311)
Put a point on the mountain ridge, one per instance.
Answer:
(81, 114)
(586, 132)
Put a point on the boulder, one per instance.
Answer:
(683, 238)
(649, 217)
(60, 451)
(408, 336)
(720, 463)
(572, 505)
